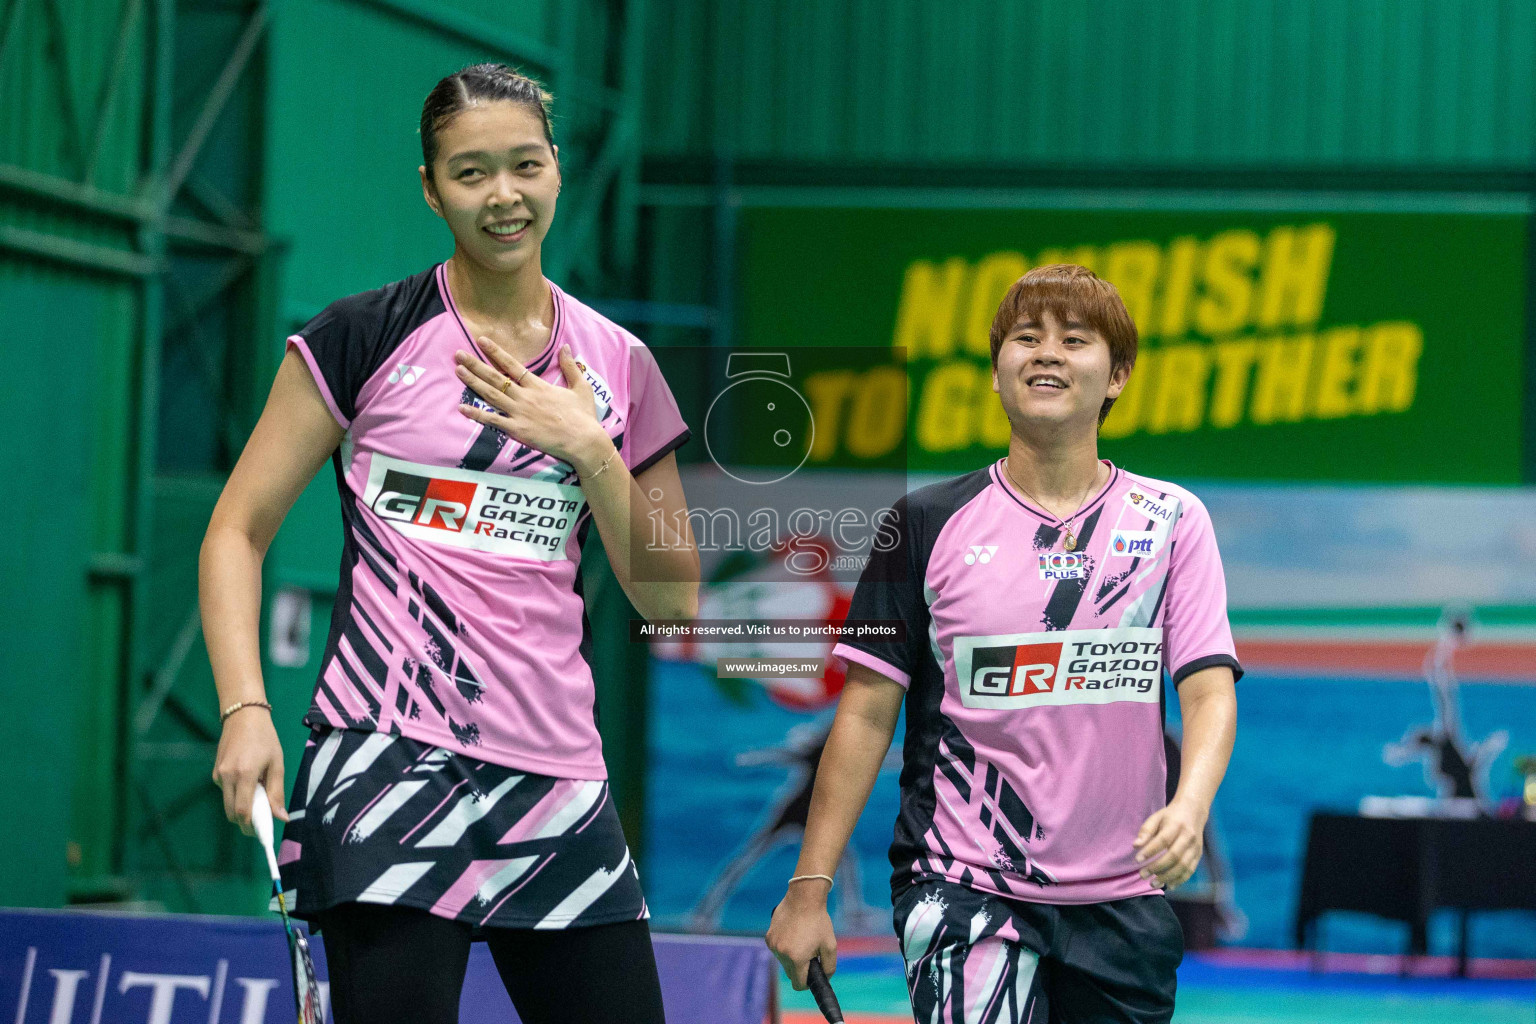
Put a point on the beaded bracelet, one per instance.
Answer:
(224, 715)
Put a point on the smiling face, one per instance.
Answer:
(1054, 374)
(494, 180)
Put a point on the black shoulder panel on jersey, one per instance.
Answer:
(891, 586)
(928, 510)
(932, 506)
(352, 337)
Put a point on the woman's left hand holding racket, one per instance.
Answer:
(802, 929)
(249, 757)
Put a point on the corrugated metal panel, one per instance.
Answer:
(49, 117)
(73, 84)
(1232, 82)
(62, 508)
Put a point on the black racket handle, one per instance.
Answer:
(821, 990)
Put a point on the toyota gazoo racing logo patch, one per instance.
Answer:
(1062, 565)
(1082, 666)
(485, 511)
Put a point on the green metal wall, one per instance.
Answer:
(68, 446)
(1096, 82)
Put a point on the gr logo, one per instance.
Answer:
(980, 553)
(1015, 671)
(425, 501)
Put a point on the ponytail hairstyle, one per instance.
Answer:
(475, 84)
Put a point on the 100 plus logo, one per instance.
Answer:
(1083, 666)
(462, 508)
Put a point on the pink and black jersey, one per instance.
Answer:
(1034, 675)
(459, 620)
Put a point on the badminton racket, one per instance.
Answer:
(821, 991)
(306, 986)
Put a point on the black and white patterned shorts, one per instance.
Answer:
(383, 819)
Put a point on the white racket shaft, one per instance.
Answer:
(261, 821)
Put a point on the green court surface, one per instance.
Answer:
(872, 991)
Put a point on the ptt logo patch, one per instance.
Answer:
(1082, 666)
(1062, 565)
(1133, 543)
(486, 511)
(1153, 508)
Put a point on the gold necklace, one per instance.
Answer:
(1070, 541)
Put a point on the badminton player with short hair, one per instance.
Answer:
(480, 420)
(1045, 597)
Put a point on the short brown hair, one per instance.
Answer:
(1069, 292)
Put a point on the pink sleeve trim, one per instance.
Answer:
(298, 342)
(846, 655)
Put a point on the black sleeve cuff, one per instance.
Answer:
(661, 453)
(1210, 661)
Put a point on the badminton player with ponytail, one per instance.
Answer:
(480, 422)
(1044, 596)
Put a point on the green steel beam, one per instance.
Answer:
(99, 258)
(213, 236)
(618, 147)
(746, 196)
(89, 199)
(626, 229)
(63, 191)
(127, 19)
(217, 203)
(144, 417)
(213, 106)
(59, 58)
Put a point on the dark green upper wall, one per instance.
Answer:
(1245, 83)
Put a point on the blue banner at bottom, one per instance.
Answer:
(61, 967)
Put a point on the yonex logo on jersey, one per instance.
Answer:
(1085, 666)
(1133, 543)
(405, 373)
(1062, 565)
(1152, 508)
(980, 553)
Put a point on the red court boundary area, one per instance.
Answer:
(1490, 662)
(812, 1017)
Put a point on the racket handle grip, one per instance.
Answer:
(821, 991)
